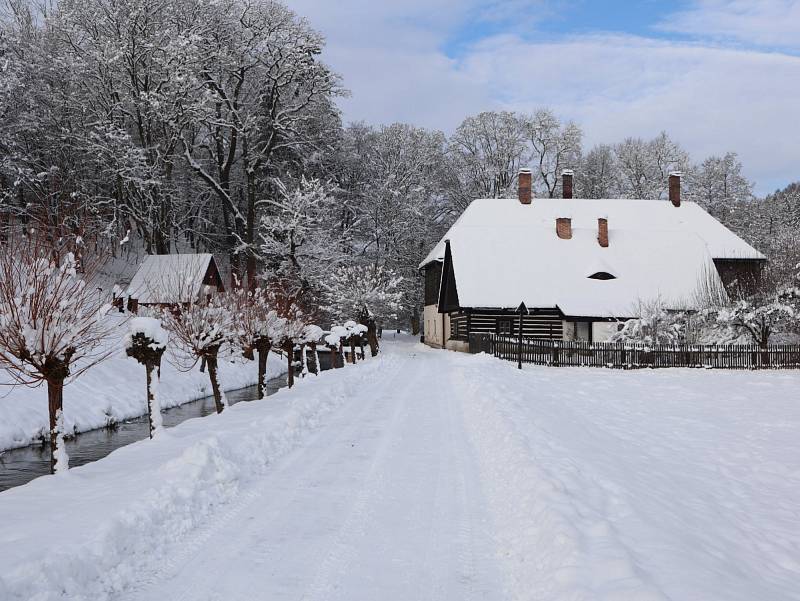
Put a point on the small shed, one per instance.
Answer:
(168, 280)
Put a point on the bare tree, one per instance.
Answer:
(487, 151)
(554, 147)
(718, 185)
(52, 323)
(199, 329)
(644, 166)
(596, 176)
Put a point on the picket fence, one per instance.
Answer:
(622, 355)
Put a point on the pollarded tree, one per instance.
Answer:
(365, 291)
(292, 333)
(199, 330)
(355, 333)
(53, 324)
(312, 336)
(146, 342)
(335, 342)
(255, 326)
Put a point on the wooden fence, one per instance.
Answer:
(622, 355)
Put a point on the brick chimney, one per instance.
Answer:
(525, 186)
(566, 183)
(564, 228)
(602, 232)
(675, 188)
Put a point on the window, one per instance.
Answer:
(504, 327)
(602, 275)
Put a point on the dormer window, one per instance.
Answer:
(602, 275)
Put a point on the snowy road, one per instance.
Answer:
(434, 475)
(383, 503)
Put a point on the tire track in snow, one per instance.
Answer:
(193, 546)
(466, 538)
(341, 554)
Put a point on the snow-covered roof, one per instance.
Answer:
(505, 252)
(166, 279)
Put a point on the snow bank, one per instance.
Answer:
(104, 527)
(114, 391)
(665, 484)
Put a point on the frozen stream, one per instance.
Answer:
(19, 466)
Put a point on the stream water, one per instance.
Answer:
(19, 466)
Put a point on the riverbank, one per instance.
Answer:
(112, 392)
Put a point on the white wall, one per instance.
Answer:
(602, 331)
(432, 322)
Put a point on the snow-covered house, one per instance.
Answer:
(579, 265)
(168, 280)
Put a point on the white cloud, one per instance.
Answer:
(771, 23)
(711, 99)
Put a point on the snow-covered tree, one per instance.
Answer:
(393, 183)
(355, 335)
(290, 331)
(296, 241)
(198, 331)
(718, 185)
(487, 152)
(53, 324)
(264, 94)
(554, 147)
(146, 342)
(368, 292)
(335, 341)
(643, 167)
(256, 327)
(596, 177)
(312, 336)
(762, 315)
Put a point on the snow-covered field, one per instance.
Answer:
(429, 474)
(111, 392)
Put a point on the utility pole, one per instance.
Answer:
(521, 310)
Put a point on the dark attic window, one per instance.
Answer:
(602, 275)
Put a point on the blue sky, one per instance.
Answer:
(569, 19)
(717, 75)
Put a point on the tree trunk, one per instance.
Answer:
(59, 461)
(764, 345)
(316, 358)
(415, 324)
(288, 347)
(366, 319)
(211, 363)
(263, 354)
(353, 349)
(334, 356)
(153, 404)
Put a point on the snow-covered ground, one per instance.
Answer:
(435, 475)
(114, 391)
